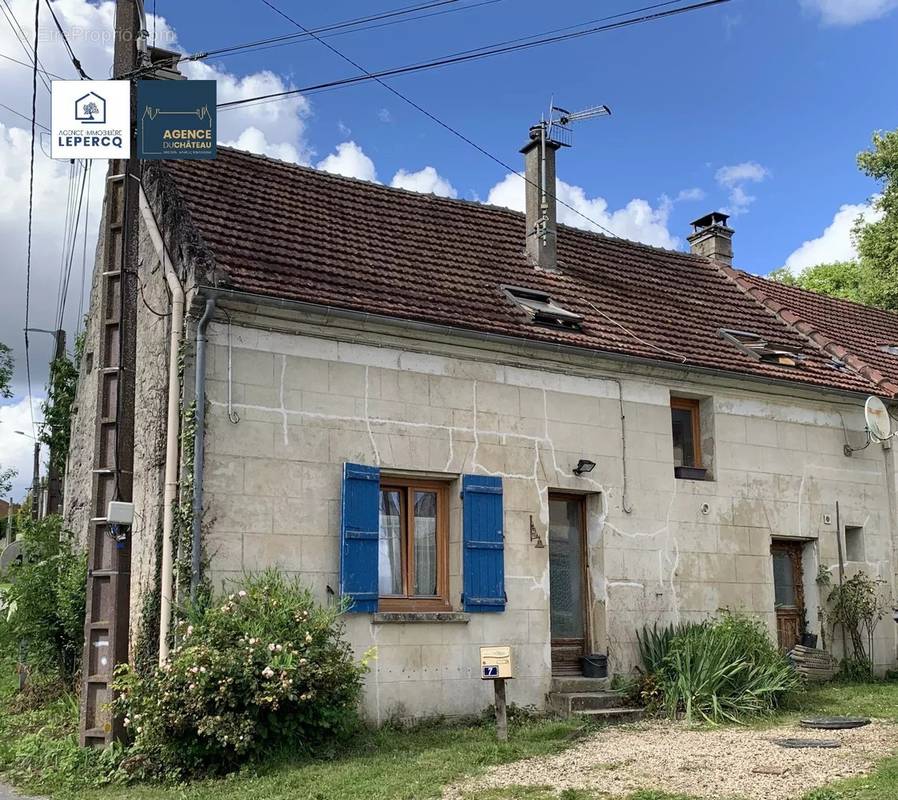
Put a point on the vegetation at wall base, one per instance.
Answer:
(722, 670)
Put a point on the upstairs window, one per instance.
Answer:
(762, 349)
(413, 545)
(542, 310)
(685, 418)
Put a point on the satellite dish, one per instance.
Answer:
(12, 554)
(878, 421)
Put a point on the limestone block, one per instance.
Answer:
(224, 475)
(235, 513)
(730, 429)
(753, 569)
(305, 442)
(451, 392)
(310, 374)
(247, 438)
(225, 551)
(350, 379)
(263, 550)
(273, 477)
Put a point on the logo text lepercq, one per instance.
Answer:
(90, 119)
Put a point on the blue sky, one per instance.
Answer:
(756, 106)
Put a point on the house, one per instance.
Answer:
(479, 427)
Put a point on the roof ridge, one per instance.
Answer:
(808, 330)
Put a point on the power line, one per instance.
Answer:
(29, 66)
(37, 9)
(464, 56)
(84, 252)
(437, 120)
(23, 116)
(71, 249)
(20, 35)
(75, 62)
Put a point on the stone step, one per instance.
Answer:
(612, 716)
(578, 684)
(572, 702)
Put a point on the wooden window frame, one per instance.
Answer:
(406, 601)
(693, 406)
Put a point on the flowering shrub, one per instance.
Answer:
(261, 668)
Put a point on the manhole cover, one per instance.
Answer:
(834, 723)
(797, 744)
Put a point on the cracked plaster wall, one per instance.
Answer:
(307, 403)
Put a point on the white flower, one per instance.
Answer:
(127, 722)
(241, 593)
(279, 648)
(189, 629)
(268, 672)
(194, 670)
(308, 637)
(202, 669)
(225, 609)
(303, 662)
(272, 647)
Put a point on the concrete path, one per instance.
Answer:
(6, 793)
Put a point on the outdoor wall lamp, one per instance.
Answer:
(584, 465)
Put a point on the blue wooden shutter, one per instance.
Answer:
(359, 536)
(484, 544)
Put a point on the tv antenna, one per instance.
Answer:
(557, 132)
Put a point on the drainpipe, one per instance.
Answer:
(198, 446)
(172, 426)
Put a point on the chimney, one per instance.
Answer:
(539, 171)
(712, 238)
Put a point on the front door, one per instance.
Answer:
(567, 582)
(788, 590)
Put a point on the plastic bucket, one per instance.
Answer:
(595, 666)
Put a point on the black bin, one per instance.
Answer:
(595, 665)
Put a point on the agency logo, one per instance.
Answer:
(176, 119)
(91, 109)
(90, 119)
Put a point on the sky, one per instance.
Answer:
(754, 107)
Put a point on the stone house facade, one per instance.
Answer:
(409, 408)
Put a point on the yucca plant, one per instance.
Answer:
(654, 643)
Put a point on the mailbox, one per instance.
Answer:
(495, 663)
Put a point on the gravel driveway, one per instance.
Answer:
(714, 763)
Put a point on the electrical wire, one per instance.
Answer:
(28, 66)
(37, 8)
(439, 122)
(75, 62)
(84, 253)
(465, 56)
(71, 250)
(23, 116)
(20, 35)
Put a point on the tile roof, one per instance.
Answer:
(850, 331)
(290, 232)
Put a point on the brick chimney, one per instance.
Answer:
(542, 223)
(712, 238)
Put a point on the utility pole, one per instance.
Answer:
(54, 478)
(36, 483)
(109, 550)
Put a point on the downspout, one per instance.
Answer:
(199, 447)
(172, 426)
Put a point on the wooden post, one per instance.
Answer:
(501, 713)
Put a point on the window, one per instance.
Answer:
(542, 309)
(854, 543)
(413, 545)
(685, 418)
(763, 350)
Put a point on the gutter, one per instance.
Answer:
(173, 419)
(504, 339)
(199, 454)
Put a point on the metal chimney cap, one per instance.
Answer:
(709, 220)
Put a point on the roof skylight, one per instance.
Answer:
(542, 309)
(763, 350)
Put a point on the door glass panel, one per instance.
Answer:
(566, 569)
(389, 551)
(783, 580)
(425, 543)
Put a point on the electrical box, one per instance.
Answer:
(120, 513)
(495, 663)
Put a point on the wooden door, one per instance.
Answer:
(788, 588)
(567, 582)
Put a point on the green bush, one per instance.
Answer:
(43, 607)
(265, 669)
(719, 671)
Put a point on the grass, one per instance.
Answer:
(39, 753)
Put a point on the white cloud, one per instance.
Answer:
(426, 181)
(385, 116)
(687, 195)
(835, 243)
(637, 221)
(17, 451)
(734, 177)
(849, 12)
(253, 140)
(349, 160)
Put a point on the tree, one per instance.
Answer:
(877, 242)
(57, 408)
(840, 279)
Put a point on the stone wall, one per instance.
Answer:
(312, 396)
